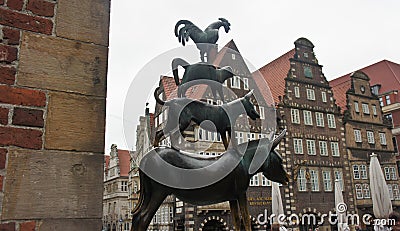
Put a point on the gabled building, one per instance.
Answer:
(366, 133)
(116, 212)
(385, 83)
(314, 147)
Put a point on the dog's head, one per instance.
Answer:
(249, 106)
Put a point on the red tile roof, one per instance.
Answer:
(275, 73)
(385, 73)
(169, 86)
(124, 159)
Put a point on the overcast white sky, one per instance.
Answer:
(347, 34)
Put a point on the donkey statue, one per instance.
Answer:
(230, 188)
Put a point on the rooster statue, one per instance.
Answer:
(204, 39)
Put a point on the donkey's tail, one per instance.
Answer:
(175, 63)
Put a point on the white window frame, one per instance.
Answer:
(326, 175)
(245, 83)
(390, 192)
(365, 108)
(311, 147)
(323, 96)
(314, 180)
(339, 176)
(301, 180)
(367, 191)
(323, 148)
(370, 137)
(356, 108)
(298, 146)
(359, 191)
(335, 149)
(310, 94)
(239, 137)
(393, 173)
(356, 172)
(357, 136)
(307, 117)
(382, 138)
(387, 99)
(363, 172)
(262, 112)
(235, 82)
(319, 119)
(331, 120)
(295, 114)
(387, 173)
(374, 110)
(296, 92)
(396, 192)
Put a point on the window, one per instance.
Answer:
(261, 111)
(331, 121)
(382, 138)
(356, 109)
(295, 116)
(356, 172)
(254, 181)
(233, 56)
(210, 101)
(359, 191)
(314, 180)
(323, 148)
(370, 137)
(327, 180)
(239, 137)
(367, 193)
(387, 97)
(393, 173)
(301, 180)
(305, 55)
(335, 149)
(124, 186)
(396, 194)
(374, 111)
(246, 83)
(365, 108)
(310, 94)
(298, 146)
(387, 173)
(363, 172)
(307, 72)
(307, 118)
(339, 177)
(357, 136)
(381, 101)
(251, 136)
(319, 118)
(264, 180)
(390, 191)
(171, 214)
(235, 82)
(311, 147)
(297, 92)
(219, 102)
(323, 95)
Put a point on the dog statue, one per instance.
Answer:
(200, 71)
(187, 110)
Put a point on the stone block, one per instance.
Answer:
(86, 21)
(70, 224)
(53, 185)
(62, 65)
(75, 122)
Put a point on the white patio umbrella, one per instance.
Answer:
(381, 204)
(341, 207)
(277, 206)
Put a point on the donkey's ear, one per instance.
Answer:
(248, 95)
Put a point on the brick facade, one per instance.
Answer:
(37, 165)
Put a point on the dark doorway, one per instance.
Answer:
(214, 225)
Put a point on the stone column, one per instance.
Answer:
(53, 67)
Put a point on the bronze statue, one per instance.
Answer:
(182, 111)
(200, 71)
(203, 39)
(231, 188)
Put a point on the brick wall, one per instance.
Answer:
(53, 61)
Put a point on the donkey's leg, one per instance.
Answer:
(244, 210)
(233, 204)
(151, 203)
